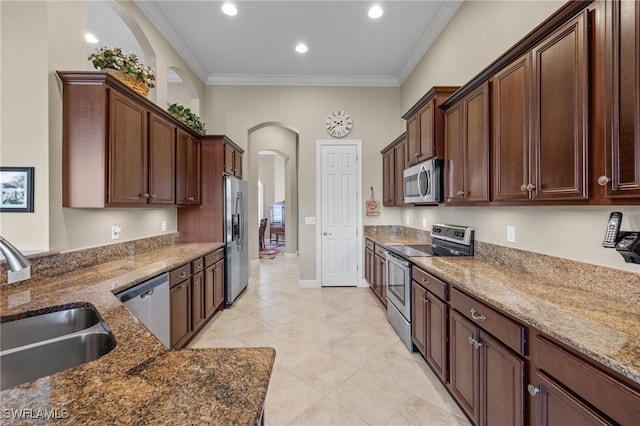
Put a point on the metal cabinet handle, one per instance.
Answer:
(523, 188)
(531, 187)
(190, 198)
(199, 265)
(146, 195)
(533, 391)
(473, 342)
(153, 195)
(475, 316)
(426, 281)
(603, 180)
(182, 274)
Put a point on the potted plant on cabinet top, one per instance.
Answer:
(126, 67)
(186, 116)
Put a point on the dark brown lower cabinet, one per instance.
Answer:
(557, 407)
(180, 307)
(487, 378)
(429, 328)
(197, 301)
(197, 293)
(464, 365)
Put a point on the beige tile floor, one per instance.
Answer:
(338, 361)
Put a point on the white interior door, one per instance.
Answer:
(339, 215)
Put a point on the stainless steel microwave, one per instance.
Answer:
(424, 182)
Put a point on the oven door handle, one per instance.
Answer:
(397, 259)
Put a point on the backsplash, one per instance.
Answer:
(51, 264)
(596, 279)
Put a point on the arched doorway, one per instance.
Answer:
(281, 143)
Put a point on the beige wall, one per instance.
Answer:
(233, 110)
(479, 33)
(39, 38)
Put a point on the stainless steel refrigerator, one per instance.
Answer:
(236, 248)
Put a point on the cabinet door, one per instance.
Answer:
(475, 124)
(237, 164)
(162, 161)
(502, 384)
(464, 365)
(209, 291)
(381, 279)
(413, 141)
(453, 168)
(218, 287)
(511, 109)
(180, 313)
(560, 115)
(419, 317)
(399, 155)
(128, 157)
(187, 170)
(554, 406)
(436, 346)
(229, 154)
(369, 266)
(388, 179)
(427, 131)
(197, 300)
(622, 138)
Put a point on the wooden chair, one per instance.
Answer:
(261, 231)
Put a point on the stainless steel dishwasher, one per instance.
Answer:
(149, 302)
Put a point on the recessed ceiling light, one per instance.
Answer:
(229, 9)
(375, 12)
(90, 38)
(301, 48)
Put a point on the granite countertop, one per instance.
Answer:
(605, 328)
(139, 381)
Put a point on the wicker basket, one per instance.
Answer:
(135, 84)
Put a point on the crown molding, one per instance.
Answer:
(438, 22)
(300, 80)
(159, 20)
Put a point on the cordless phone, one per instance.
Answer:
(613, 228)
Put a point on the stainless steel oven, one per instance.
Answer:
(399, 296)
(447, 240)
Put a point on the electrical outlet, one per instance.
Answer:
(407, 220)
(424, 222)
(163, 226)
(511, 234)
(115, 232)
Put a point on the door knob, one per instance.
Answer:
(327, 233)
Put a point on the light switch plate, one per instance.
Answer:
(115, 232)
(309, 220)
(511, 234)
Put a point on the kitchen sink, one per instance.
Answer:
(52, 342)
(37, 328)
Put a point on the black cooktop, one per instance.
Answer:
(411, 250)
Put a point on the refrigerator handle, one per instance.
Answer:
(240, 213)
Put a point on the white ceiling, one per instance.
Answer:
(346, 47)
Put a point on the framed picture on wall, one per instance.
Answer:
(16, 189)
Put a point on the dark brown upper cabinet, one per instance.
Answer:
(187, 170)
(393, 165)
(425, 126)
(118, 148)
(621, 176)
(467, 148)
(540, 111)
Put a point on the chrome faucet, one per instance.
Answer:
(16, 260)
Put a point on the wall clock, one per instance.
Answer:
(339, 123)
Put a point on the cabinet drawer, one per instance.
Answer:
(214, 257)
(501, 327)
(370, 244)
(381, 251)
(609, 395)
(179, 274)
(431, 283)
(197, 265)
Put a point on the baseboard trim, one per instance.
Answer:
(308, 284)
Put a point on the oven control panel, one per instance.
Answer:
(453, 233)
